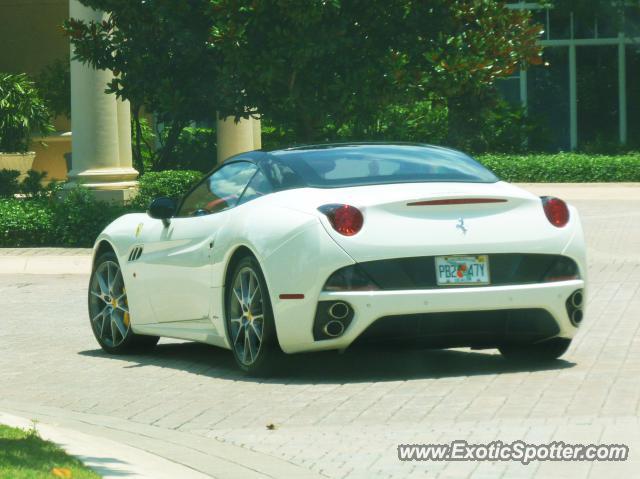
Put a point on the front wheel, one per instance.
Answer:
(544, 351)
(249, 319)
(109, 309)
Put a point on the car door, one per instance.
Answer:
(177, 261)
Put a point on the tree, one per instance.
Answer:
(161, 58)
(315, 63)
(22, 113)
(313, 67)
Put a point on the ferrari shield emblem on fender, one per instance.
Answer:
(139, 229)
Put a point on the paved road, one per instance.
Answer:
(340, 415)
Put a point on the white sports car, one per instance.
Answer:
(321, 247)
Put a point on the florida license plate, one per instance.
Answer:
(462, 270)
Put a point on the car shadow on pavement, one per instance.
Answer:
(331, 367)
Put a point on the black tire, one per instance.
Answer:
(544, 351)
(242, 323)
(121, 340)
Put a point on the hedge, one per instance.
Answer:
(171, 183)
(78, 218)
(26, 223)
(40, 220)
(564, 168)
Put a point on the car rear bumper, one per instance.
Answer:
(538, 311)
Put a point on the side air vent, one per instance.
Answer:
(135, 254)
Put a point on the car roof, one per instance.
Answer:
(259, 156)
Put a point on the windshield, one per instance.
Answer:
(355, 165)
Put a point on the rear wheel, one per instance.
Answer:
(544, 351)
(109, 309)
(249, 319)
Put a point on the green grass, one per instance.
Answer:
(24, 455)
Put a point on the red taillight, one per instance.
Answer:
(556, 210)
(345, 219)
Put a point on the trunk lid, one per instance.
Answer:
(432, 219)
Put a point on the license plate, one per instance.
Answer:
(462, 270)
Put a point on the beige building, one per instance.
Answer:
(30, 38)
(99, 133)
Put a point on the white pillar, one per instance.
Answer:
(101, 147)
(257, 133)
(524, 93)
(573, 98)
(524, 99)
(125, 152)
(234, 138)
(622, 88)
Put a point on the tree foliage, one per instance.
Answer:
(23, 113)
(313, 67)
(54, 84)
(161, 57)
(314, 63)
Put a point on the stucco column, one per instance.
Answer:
(234, 138)
(257, 133)
(101, 125)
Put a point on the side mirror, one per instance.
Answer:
(162, 208)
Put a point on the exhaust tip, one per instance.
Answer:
(332, 319)
(577, 299)
(339, 310)
(334, 328)
(577, 316)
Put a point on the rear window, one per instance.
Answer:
(373, 165)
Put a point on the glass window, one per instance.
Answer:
(258, 186)
(355, 165)
(219, 191)
(598, 108)
(548, 88)
(510, 90)
(281, 176)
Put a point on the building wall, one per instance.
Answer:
(30, 39)
(30, 34)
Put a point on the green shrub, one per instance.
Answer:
(196, 149)
(9, 185)
(32, 184)
(564, 168)
(79, 217)
(22, 113)
(26, 223)
(171, 183)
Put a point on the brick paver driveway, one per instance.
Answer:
(343, 415)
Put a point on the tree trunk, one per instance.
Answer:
(138, 161)
(164, 157)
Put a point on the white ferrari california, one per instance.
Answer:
(322, 247)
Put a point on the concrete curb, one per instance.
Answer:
(108, 458)
(25, 264)
(198, 456)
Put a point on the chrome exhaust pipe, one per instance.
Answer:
(333, 328)
(577, 299)
(577, 316)
(339, 311)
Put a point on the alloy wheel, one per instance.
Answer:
(108, 304)
(246, 316)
